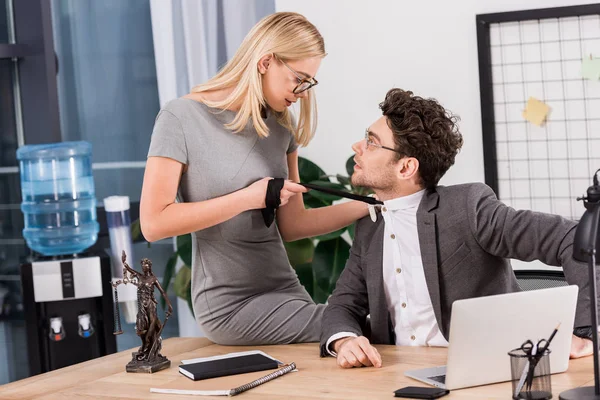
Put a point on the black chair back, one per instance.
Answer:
(530, 279)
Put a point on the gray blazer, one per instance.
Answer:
(466, 236)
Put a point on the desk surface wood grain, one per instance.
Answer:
(318, 378)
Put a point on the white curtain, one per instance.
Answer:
(192, 40)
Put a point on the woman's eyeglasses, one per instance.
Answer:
(303, 83)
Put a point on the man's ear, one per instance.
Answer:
(264, 62)
(409, 167)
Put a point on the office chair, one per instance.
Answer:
(534, 279)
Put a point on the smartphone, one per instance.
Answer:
(415, 392)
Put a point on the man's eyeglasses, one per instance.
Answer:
(372, 144)
(303, 83)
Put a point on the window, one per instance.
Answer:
(96, 66)
(107, 89)
(108, 96)
(12, 244)
(3, 21)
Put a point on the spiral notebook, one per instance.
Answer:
(224, 375)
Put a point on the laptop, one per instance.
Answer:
(484, 329)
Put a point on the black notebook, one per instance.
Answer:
(228, 366)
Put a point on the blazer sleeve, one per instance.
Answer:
(348, 305)
(528, 235)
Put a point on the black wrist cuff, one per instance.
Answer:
(272, 200)
(584, 332)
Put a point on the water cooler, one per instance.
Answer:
(68, 310)
(67, 295)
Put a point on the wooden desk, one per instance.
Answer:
(318, 378)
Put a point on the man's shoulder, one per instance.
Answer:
(365, 227)
(464, 190)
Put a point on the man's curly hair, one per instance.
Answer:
(423, 129)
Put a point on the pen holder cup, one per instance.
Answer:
(525, 386)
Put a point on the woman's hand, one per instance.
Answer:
(258, 191)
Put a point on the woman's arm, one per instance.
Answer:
(295, 222)
(161, 216)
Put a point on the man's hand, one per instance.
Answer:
(581, 347)
(356, 352)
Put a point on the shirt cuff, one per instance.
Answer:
(335, 337)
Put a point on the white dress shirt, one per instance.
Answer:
(404, 283)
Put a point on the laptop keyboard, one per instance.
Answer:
(439, 378)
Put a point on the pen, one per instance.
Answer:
(536, 359)
(541, 353)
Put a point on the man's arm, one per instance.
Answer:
(356, 352)
(348, 306)
(527, 235)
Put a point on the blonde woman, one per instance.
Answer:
(216, 148)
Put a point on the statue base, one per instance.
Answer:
(145, 366)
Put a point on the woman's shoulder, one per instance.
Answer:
(182, 106)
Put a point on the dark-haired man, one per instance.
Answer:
(432, 244)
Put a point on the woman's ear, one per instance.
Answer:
(264, 62)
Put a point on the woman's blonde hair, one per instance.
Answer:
(288, 36)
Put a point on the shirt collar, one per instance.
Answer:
(405, 202)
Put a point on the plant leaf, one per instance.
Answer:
(305, 275)
(136, 231)
(326, 197)
(319, 295)
(329, 184)
(363, 191)
(344, 180)
(309, 171)
(351, 229)
(169, 271)
(350, 165)
(188, 299)
(300, 251)
(329, 260)
(331, 235)
(344, 253)
(184, 248)
(312, 202)
(191, 305)
(183, 282)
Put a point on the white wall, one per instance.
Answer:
(427, 46)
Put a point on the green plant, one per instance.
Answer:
(318, 261)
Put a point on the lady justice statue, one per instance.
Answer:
(148, 327)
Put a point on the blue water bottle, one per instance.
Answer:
(59, 204)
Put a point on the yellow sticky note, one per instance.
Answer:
(590, 68)
(536, 111)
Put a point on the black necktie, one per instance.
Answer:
(366, 199)
(272, 198)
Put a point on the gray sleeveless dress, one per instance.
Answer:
(244, 290)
